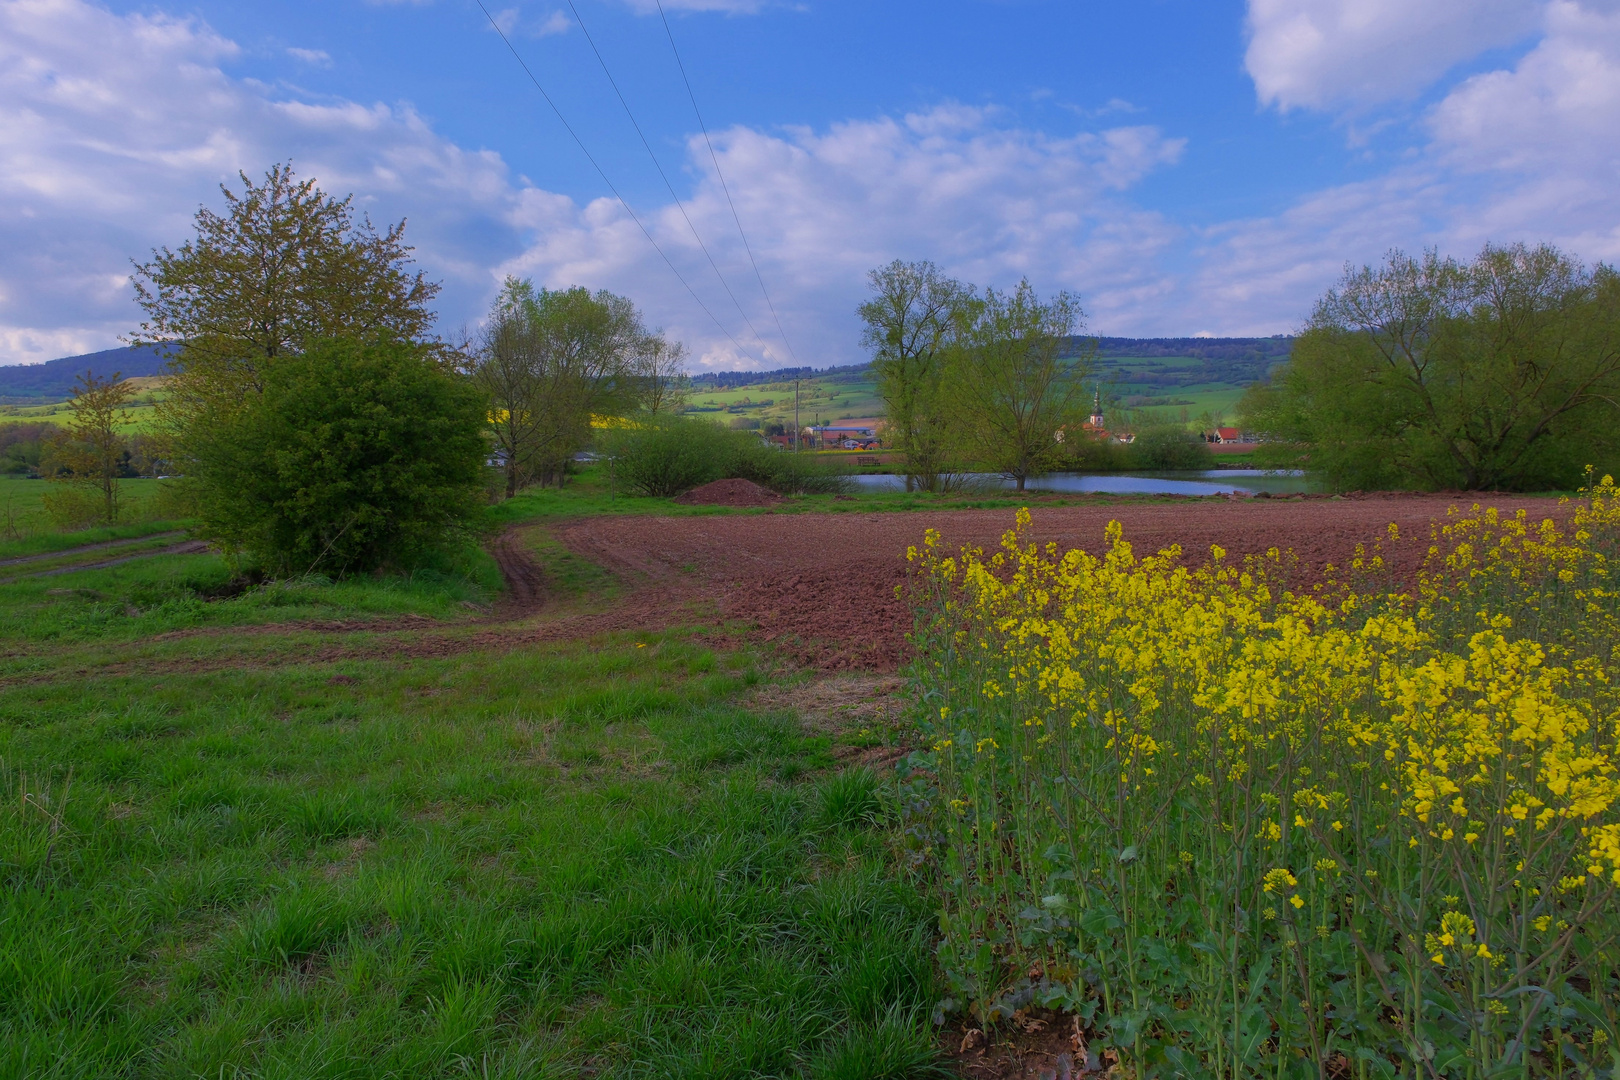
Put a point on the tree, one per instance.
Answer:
(549, 362)
(90, 454)
(356, 454)
(284, 265)
(1009, 387)
(910, 323)
(1503, 373)
(660, 374)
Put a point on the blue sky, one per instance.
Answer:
(1187, 167)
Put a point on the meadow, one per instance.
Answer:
(356, 828)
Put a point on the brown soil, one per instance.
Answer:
(733, 492)
(1037, 1046)
(823, 586)
(525, 581)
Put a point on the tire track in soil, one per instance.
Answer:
(525, 581)
(63, 553)
(188, 547)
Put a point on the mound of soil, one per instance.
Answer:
(733, 492)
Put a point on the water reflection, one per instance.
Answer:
(1199, 482)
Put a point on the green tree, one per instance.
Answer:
(90, 453)
(354, 455)
(551, 360)
(660, 375)
(1502, 373)
(284, 265)
(1012, 394)
(909, 325)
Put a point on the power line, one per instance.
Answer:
(599, 171)
(665, 177)
(723, 185)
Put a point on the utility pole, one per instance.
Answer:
(795, 414)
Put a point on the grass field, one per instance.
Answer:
(141, 414)
(347, 829)
(1124, 381)
(26, 527)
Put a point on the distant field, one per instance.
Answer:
(142, 415)
(1179, 379)
(823, 399)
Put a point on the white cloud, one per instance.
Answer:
(113, 129)
(555, 23)
(988, 203)
(1559, 104)
(314, 57)
(1328, 54)
(1523, 153)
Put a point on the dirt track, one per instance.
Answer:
(823, 585)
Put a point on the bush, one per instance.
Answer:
(664, 457)
(1168, 447)
(1098, 455)
(357, 455)
(788, 473)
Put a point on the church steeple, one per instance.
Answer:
(1096, 409)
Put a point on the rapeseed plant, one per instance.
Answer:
(1241, 829)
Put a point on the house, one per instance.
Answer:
(850, 435)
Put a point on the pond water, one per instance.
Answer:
(1198, 482)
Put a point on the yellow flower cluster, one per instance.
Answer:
(1130, 724)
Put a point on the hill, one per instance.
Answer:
(1182, 377)
(27, 384)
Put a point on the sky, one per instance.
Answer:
(1186, 166)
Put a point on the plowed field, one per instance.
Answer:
(823, 585)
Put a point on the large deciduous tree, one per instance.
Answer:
(550, 361)
(284, 265)
(909, 325)
(1013, 391)
(1502, 373)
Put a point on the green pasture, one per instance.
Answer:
(26, 527)
(365, 829)
(832, 398)
(142, 416)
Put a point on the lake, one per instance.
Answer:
(1198, 482)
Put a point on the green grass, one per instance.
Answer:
(26, 528)
(280, 848)
(141, 414)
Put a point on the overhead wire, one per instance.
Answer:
(723, 185)
(603, 174)
(600, 59)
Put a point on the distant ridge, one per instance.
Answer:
(21, 384)
(1240, 358)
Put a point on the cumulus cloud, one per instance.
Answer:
(988, 203)
(314, 57)
(1526, 152)
(113, 129)
(1345, 53)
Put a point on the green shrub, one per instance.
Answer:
(1098, 455)
(788, 473)
(357, 455)
(664, 457)
(1168, 447)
